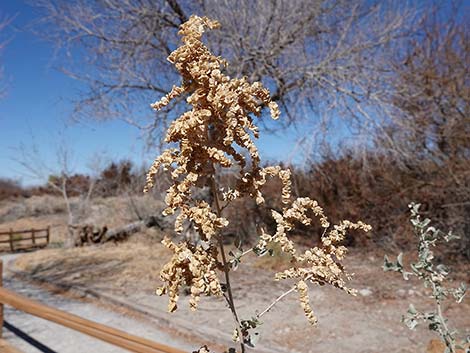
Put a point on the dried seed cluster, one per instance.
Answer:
(217, 133)
(191, 266)
(319, 265)
(302, 289)
(211, 135)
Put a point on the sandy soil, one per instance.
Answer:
(129, 272)
(369, 322)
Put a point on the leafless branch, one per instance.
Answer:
(315, 56)
(59, 177)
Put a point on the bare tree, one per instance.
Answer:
(420, 147)
(60, 178)
(314, 55)
(429, 130)
(431, 95)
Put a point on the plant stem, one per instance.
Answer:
(278, 299)
(246, 252)
(270, 306)
(448, 340)
(226, 265)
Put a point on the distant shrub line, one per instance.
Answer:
(373, 186)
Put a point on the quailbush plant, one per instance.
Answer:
(218, 134)
(433, 277)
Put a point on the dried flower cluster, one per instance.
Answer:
(206, 135)
(218, 133)
(318, 265)
(302, 288)
(192, 266)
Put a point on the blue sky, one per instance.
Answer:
(37, 107)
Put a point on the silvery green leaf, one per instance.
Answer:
(425, 223)
(260, 251)
(431, 316)
(411, 323)
(460, 292)
(443, 269)
(252, 339)
(388, 265)
(400, 259)
(392, 266)
(451, 236)
(235, 263)
(412, 310)
(427, 255)
(415, 207)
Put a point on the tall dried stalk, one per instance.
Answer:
(218, 133)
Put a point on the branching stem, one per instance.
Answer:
(448, 340)
(246, 252)
(226, 264)
(278, 299)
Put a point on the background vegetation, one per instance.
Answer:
(379, 90)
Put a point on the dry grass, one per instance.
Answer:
(36, 206)
(44, 211)
(133, 264)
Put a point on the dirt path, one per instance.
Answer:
(64, 340)
(368, 323)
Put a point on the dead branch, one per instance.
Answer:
(92, 234)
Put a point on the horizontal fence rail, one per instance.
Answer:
(105, 333)
(16, 238)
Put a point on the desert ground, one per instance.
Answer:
(121, 279)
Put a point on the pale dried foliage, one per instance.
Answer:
(216, 134)
(193, 266)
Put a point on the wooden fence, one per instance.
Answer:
(24, 239)
(105, 333)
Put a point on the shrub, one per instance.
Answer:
(433, 277)
(10, 189)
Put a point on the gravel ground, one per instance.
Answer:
(64, 340)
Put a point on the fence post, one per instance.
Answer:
(11, 239)
(1, 304)
(33, 236)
